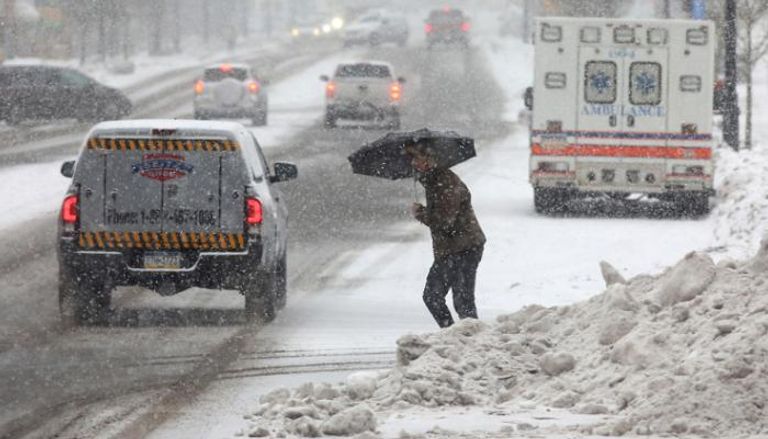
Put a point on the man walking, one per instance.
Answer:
(457, 239)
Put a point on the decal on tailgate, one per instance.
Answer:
(162, 167)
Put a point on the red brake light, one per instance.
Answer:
(254, 87)
(225, 68)
(69, 209)
(253, 211)
(395, 92)
(465, 27)
(199, 86)
(428, 28)
(330, 90)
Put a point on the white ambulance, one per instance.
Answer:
(620, 108)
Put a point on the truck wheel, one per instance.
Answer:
(82, 301)
(281, 283)
(260, 298)
(260, 119)
(549, 200)
(693, 204)
(394, 123)
(330, 120)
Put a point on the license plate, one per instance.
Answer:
(162, 261)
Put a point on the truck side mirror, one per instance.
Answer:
(324, 78)
(401, 80)
(68, 168)
(528, 98)
(284, 172)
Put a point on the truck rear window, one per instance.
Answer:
(218, 74)
(363, 71)
(446, 17)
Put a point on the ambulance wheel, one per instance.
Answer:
(693, 204)
(82, 301)
(260, 298)
(549, 200)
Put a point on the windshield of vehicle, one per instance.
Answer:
(363, 71)
(219, 74)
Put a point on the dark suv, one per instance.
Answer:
(449, 26)
(47, 92)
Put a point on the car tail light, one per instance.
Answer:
(254, 213)
(69, 209)
(465, 27)
(254, 87)
(428, 28)
(199, 87)
(330, 90)
(395, 92)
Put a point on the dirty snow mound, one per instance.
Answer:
(684, 352)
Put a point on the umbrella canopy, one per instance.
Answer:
(386, 157)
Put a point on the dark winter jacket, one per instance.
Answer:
(449, 214)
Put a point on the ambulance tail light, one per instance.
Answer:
(697, 171)
(554, 126)
(330, 90)
(254, 213)
(428, 28)
(689, 128)
(70, 212)
(465, 26)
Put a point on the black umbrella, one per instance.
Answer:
(386, 157)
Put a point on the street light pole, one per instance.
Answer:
(731, 108)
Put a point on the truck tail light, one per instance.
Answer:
(254, 87)
(253, 211)
(199, 87)
(330, 90)
(70, 209)
(465, 27)
(428, 28)
(395, 92)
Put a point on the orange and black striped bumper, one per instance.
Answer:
(235, 242)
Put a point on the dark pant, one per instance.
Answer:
(456, 271)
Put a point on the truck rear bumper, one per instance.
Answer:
(361, 111)
(225, 270)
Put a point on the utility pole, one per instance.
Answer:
(731, 110)
(9, 28)
(527, 21)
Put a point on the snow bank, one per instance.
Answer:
(742, 209)
(683, 352)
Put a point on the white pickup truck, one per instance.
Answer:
(363, 91)
(622, 107)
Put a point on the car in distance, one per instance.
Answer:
(376, 28)
(448, 26)
(363, 91)
(170, 205)
(38, 92)
(231, 91)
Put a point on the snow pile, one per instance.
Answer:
(684, 352)
(742, 210)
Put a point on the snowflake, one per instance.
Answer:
(601, 82)
(645, 83)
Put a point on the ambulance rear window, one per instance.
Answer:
(645, 83)
(600, 82)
